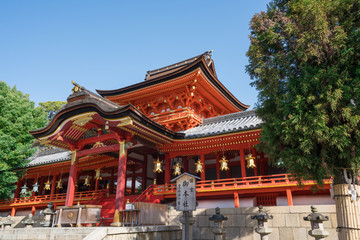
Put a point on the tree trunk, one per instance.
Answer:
(347, 211)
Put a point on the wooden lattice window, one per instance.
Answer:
(266, 200)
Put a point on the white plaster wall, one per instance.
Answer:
(306, 200)
(225, 203)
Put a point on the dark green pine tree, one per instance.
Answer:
(18, 116)
(304, 59)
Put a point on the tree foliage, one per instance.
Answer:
(50, 107)
(18, 115)
(304, 59)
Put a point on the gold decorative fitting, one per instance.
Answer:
(59, 184)
(157, 166)
(87, 181)
(98, 144)
(77, 88)
(81, 121)
(177, 169)
(250, 161)
(98, 174)
(47, 185)
(224, 164)
(199, 167)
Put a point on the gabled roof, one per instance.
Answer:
(234, 122)
(177, 70)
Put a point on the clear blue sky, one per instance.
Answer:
(111, 44)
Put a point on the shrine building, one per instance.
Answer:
(128, 144)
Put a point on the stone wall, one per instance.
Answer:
(287, 224)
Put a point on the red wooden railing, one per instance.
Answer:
(145, 194)
(277, 180)
(78, 196)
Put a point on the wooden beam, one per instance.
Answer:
(99, 150)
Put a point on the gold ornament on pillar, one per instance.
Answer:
(199, 167)
(87, 181)
(224, 164)
(157, 166)
(177, 169)
(250, 161)
(98, 174)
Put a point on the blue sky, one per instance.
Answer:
(111, 44)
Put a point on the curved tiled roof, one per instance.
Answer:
(233, 122)
(49, 156)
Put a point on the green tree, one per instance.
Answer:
(51, 107)
(18, 115)
(304, 59)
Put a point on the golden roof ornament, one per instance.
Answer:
(77, 88)
(177, 169)
(224, 164)
(157, 166)
(87, 181)
(250, 161)
(98, 174)
(47, 185)
(199, 167)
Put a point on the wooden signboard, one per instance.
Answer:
(186, 192)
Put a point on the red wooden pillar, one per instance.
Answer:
(236, 200)
(133, 178)
(242, 162)
(202, 160)
(71, 181)
(253, 152)
(121, 177)
(167, 168)
(18, 188)
(13, 211)
(289, 197)
(52, 189)
(96, 184)
(33, 209)
(144, 172)
(218, 166)
(186, 164)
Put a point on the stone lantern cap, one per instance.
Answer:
(8, 221)
(262, 215)
(217, 217)
(49, 209)
(315, 216)
(29, 221)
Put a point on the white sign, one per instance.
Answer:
(186, 193)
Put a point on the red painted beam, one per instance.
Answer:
(99, 150)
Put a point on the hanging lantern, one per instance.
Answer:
(36, 187)
(199, 167)
(177, 169)
(87, 181)
(59, 184)
(98, 174)
(157, 166)
(47, 185)
(250, 161)
(224, 164)
(23, 189)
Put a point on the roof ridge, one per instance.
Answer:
(176, 65)
(229, 116)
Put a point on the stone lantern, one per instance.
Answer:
(29, 222)
(8, 222)
(49, 213)
(317, 227)
(218, 230)
(263, 229)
